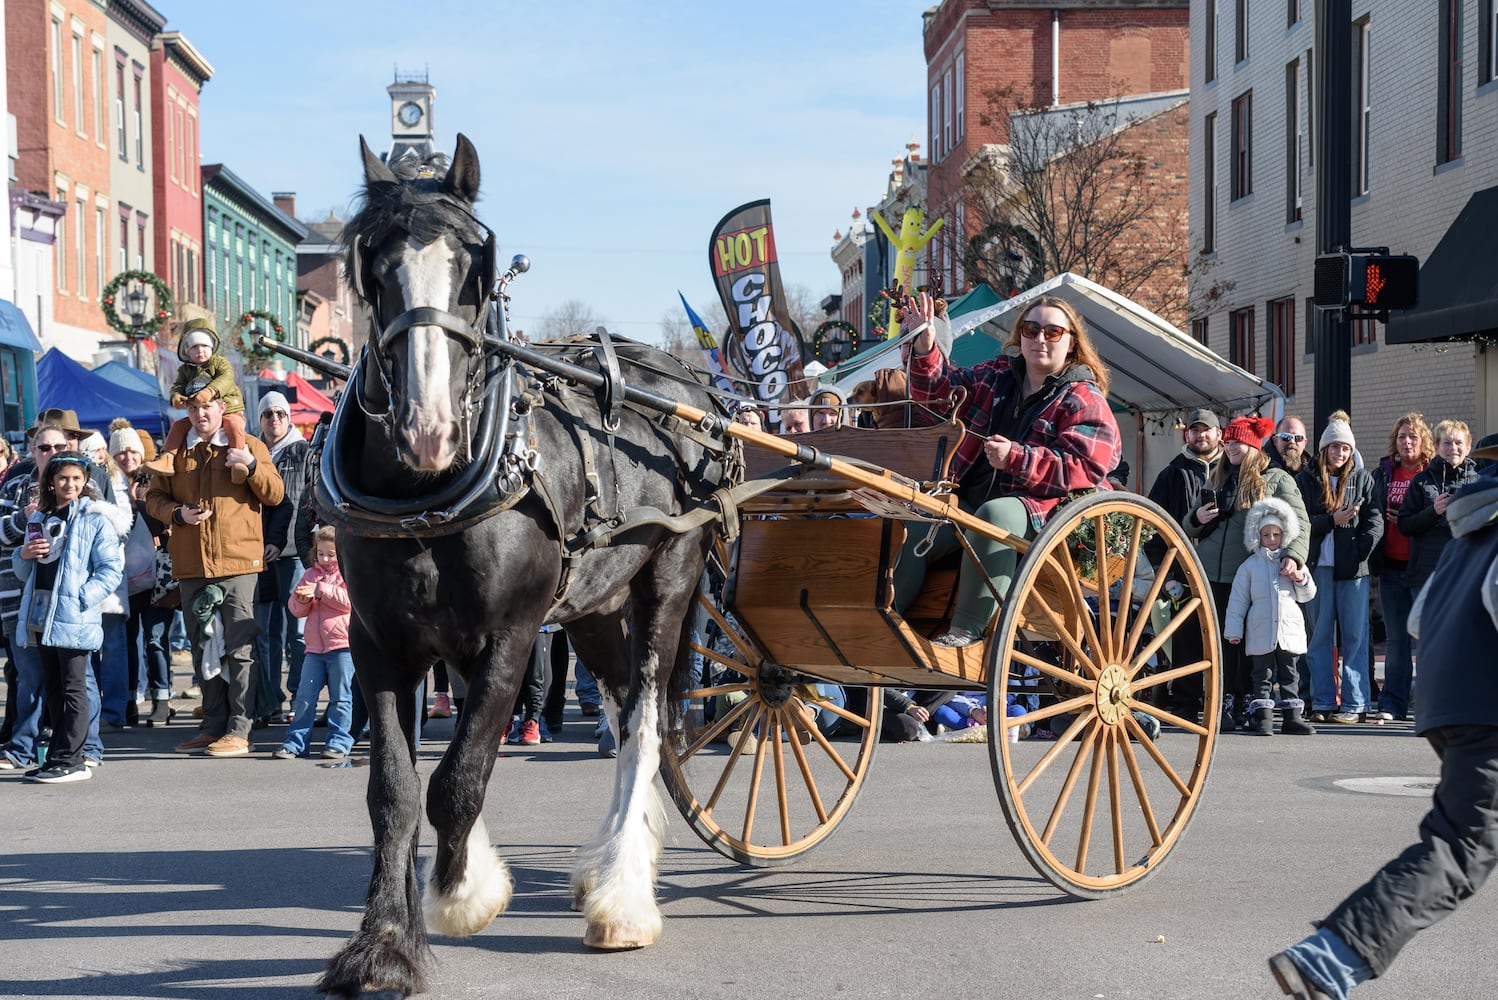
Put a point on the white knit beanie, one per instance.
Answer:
(125, 439)
(1338, 430)
(197, 337)
(92, 443)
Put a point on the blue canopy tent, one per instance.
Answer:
(65, 383)
(131, 378)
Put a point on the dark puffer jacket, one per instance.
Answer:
(1219, 543)
(1352, 543)
(1428, 531)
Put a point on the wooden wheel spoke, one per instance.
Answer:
(733, 759)
(1061, 744)
(1104, 603)
(1132, 763)
(699, 694)
(1069, 640)
(1050, 711)
(1073, 580)
(1177, 721)
(1188, 611)
(1115, 801)
(750, 656)
(1143, 740)
(832, 753)
(1137, 631)
(776, 728)
(1051, 670)
(721, 660)
(718, 727)
(1166, 676)
(811, 782)
(758, 776)
(1089, 804)
(842, 713)
(1126, 587)
(1072, 773)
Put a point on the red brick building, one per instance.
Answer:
(178, 73)
(59, 94)
(1053, 54)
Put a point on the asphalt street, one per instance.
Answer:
(187, 877)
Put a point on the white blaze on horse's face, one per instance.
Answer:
(425, 275)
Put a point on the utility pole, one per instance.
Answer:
(1333, 380)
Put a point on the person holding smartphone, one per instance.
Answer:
(1346, 523)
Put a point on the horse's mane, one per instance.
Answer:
(416, 205)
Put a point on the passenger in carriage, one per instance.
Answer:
(1040, 428)
(795, 420)
(827, 409)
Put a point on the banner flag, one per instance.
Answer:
(709, 347)
(762, 347)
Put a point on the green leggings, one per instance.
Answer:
(975, 602)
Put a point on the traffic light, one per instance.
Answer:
(1369, 282)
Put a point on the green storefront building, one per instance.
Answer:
(249, 254)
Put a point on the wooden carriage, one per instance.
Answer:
(1086, 641)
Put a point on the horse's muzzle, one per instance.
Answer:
(428, 444)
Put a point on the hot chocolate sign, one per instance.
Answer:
(762, 349)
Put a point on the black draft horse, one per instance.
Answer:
(475, 598)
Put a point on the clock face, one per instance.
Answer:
(409, 113)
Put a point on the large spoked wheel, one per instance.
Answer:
(760, 782)
(1097, 809)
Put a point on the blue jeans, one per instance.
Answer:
(1330, 963)
(334, 670)
(280, 638)
(111, 663)
(30, 693)
(1339, 604)
(586, 686)
(1399, 662)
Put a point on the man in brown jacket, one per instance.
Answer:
(217, 551)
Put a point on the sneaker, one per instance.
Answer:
(334, 754)
(957, 638)
(192, 692)
(442, 706)
(530, 732)
(93, 762)
(202, 741)
(281, 753)
(590, 709)
(1292, 982)
(59, 773)
(1345, 718)
(8, 763)
(229, 746)
(1380, 717)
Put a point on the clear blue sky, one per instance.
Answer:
(612, 136)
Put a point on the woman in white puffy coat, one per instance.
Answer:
(1264, 614)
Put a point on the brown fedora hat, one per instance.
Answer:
(63, 420)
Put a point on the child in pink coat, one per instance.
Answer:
(322, 598)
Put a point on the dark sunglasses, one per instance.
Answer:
(274, 415)
(49, 448)
(1053, 333)
(1291, 437)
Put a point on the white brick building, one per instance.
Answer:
(1424, 147)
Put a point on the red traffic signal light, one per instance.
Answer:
(1373, 281)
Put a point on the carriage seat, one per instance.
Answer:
(921, 454)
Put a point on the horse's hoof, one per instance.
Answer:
(622, 936)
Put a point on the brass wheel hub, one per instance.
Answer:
(1113, 695)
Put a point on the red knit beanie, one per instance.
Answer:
(1248, 430)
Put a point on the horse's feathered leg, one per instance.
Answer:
(390, 950)
(469, 885)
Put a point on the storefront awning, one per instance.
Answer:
(15, 331)
(1458, 287)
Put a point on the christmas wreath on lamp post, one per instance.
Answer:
(142, 318)
(245, 334)
(334, 347)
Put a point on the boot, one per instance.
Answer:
(132, 713)
(161, 712)
(1261, 717)
(1227, 724)
(1291, 722)
(164, 464)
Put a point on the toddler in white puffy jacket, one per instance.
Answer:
(1263, 614)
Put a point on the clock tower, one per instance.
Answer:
(411, 98)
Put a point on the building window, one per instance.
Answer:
(1209, 41)
(1364, 331)
(124, 260)
(1292, 13)
(80, 237)
(97, 82)
(1311, 133)
(961, 94)
(1361, 179)
(119, 108)
(1279, 345)
(60, 265)
(1199, 331)
(1487, 41)
(191, 278)
(1241, 340)
(947, 102)
(101, 240)
(1240, 30)
(173, 140)
(936, 123)
(140, 242)
(959, 237)
(1449, 108)
(1209, 183)
(1243, 146)
(57, 94)
(79, 121)
(190, 152)
(1292, 142)
(140, 136)
(181, 154)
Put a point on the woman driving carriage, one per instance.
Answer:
(1039, 428)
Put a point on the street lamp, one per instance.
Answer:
(135, 307)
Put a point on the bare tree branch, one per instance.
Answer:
(572, 318)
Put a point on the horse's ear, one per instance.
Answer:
(462, 180)
(374, 170)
